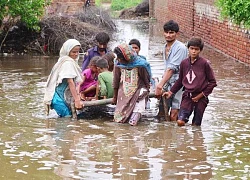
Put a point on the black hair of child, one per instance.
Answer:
(196, 42)
(102, 63)
(135, 41)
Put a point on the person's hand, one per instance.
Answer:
(114, 101)
(89, 98)
(198, 97)
(79, 104)
(167, 94)
(83, 97)
(158, 91)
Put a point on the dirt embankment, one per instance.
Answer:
(139, 12)
(55, 30)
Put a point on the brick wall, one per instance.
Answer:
(67, 7)
(201, 18)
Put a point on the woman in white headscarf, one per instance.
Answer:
(61, 87)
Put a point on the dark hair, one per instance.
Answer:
(119, 54)
(93, 60)
(102, 38)
(110, 58)
(197, 42)
(102, 63)
(171, 26)
(135, 41)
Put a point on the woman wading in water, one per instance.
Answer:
(61, 88)
(131, 85)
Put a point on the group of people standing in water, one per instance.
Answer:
(125, 76)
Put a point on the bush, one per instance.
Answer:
(29, 12)
(55, 30)
(237, 11)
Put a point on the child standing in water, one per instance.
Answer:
(88, 86)
(131, 85)
(105, 79)
(60, 90)
(136, 45)
(197, 77)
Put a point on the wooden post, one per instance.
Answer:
(73, 110)
(166, 108)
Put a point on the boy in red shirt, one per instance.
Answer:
(198, 80)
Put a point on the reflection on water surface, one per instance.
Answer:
(33, 147)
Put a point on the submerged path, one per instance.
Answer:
(33, 147)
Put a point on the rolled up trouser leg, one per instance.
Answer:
(134, 118)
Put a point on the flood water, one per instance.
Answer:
(35, 147)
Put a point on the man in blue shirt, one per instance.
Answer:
(100, 49)
(173, 53)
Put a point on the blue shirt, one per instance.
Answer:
(59, 103)
(177, 53)
(90, 53)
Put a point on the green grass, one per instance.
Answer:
(99, 2)
(117, 5)
(124, 4)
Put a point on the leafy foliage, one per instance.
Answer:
(27, 11)
(236, 10)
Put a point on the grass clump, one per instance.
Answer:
(99, 2)
(118, 5)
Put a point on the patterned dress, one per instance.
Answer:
(130, 83)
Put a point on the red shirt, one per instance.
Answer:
(196, 78)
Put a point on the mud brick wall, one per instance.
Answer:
(201, 18)
(67, 7)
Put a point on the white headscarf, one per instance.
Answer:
(66, 67)
(67, 47)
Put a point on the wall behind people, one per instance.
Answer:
(202, 18)
(67, 7)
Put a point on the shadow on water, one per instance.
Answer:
(34, 147)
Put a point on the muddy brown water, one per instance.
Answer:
(34, 147)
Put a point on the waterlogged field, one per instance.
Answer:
(34, 147)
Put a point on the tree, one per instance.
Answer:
(27, 11)
(236, 10)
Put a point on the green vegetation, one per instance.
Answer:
(99, 2)
(124, 4)
(27, 11)
(117, 5)
(237, 10)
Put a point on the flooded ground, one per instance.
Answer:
(34, 147)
